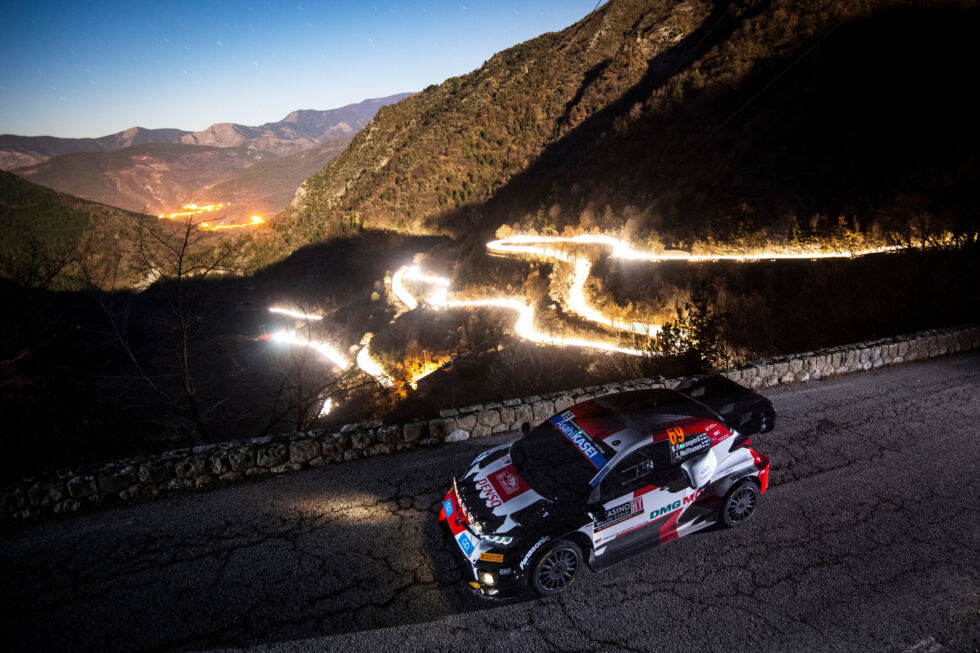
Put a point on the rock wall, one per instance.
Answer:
(70, 490)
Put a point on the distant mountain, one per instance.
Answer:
(20, 151)
(46, 236)
(135, 172)
(268, 186)
(684, 123)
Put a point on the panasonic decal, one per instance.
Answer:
(537, 545)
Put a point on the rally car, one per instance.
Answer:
(606, 479)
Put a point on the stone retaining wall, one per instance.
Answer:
(70, 490)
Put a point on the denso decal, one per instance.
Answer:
(465, 544)
(664, 510)
(566, 424)
(489, 493)
(507, 483)
(537, 545)
(619, 513)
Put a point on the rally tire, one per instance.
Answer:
(739, 505)
(555, 569)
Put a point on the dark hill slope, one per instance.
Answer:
(45, 236)
(871, 122)
(452, 145)
(696, 121)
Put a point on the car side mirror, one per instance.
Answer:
(598, 511)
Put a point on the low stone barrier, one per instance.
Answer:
(70, 490)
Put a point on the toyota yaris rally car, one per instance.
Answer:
(605, 479)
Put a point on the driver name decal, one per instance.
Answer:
(684, 447)
(566, 424)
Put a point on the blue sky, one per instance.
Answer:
(91, 67)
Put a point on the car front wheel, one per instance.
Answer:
(739, 505)
(556, 568)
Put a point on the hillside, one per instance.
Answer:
(158, 177)
(45, 236)
(659, 119)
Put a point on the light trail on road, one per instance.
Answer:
(290, 338)
(551, 247)
(548, 247)
(367, 364)
(525, 320)
(296, 314)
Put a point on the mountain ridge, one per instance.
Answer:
(37, 149)
(159, 176)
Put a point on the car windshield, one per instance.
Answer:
(549, 462)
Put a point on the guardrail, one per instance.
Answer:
(71, 490)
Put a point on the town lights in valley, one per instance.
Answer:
(189, 210)
(252, 222)
(193, 209)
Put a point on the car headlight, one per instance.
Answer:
(487, 578)
(503, 540)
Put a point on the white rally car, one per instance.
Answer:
(605, 479)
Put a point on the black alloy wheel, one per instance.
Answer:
(740, 504)
(556, 568)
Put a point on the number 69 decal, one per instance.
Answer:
(676, 434)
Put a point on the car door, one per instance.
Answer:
(638, 492)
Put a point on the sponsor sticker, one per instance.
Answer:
(488, 492)
(507, 483)
(447, 505)
(566, 424)
(657, 513)
(530, 552)
(465, 544)
(492, 557)
(620, 513)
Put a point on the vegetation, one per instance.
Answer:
(53, 240)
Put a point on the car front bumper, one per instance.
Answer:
(482, 558)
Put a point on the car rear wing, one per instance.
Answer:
(746, 411)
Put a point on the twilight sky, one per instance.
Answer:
(94, 67)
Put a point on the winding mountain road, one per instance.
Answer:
(867, 540)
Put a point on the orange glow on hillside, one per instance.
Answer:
(190, 210)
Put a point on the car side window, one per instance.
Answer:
(632, 473)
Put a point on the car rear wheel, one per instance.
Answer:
(556, 568)
(740, 504)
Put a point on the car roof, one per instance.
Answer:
(624, 419)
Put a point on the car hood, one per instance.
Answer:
(495, 496)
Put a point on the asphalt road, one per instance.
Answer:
(868, 539)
